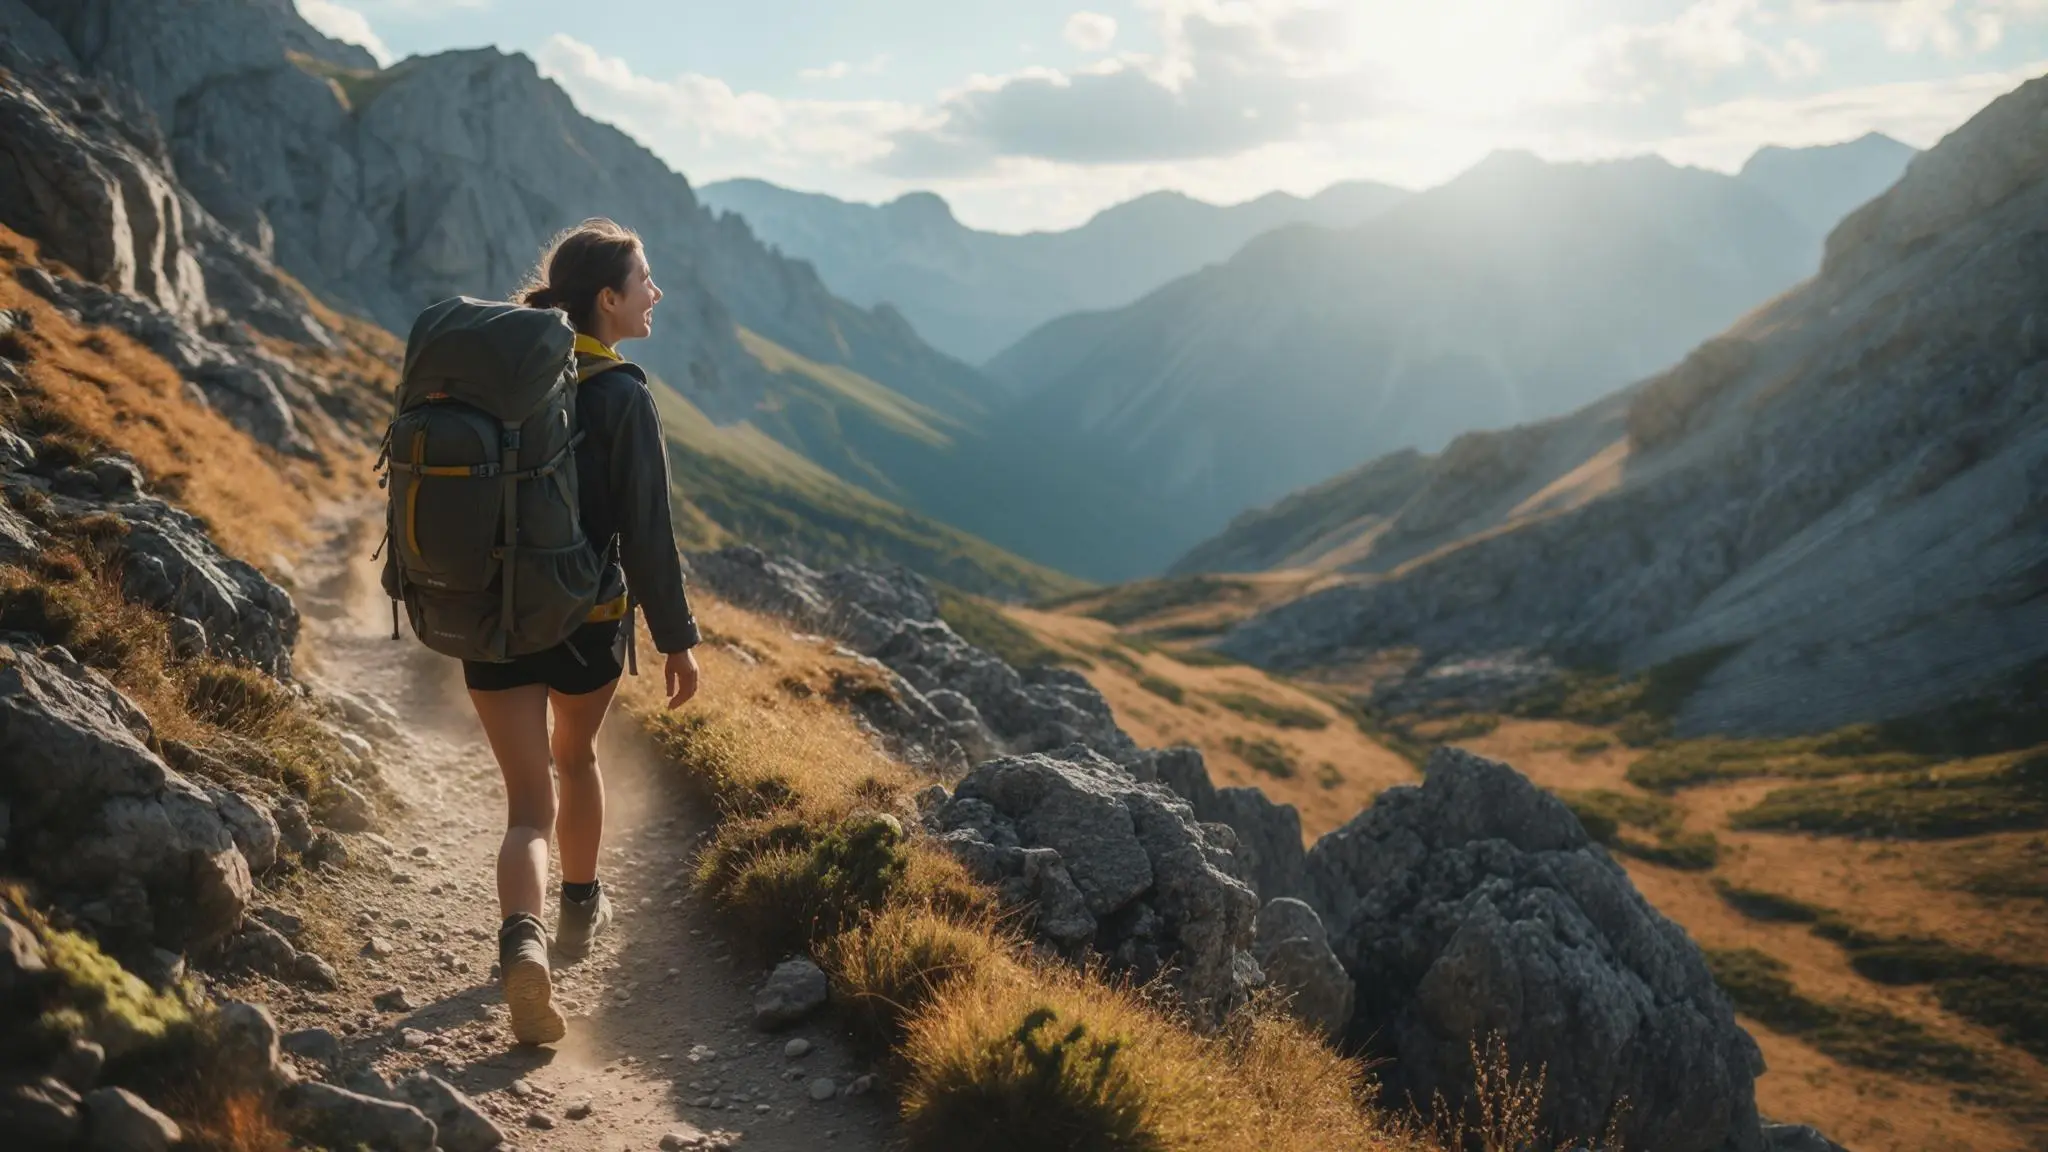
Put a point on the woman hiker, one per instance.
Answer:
(597, 274)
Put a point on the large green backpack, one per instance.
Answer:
(486, 545)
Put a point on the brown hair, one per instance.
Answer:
(579, 263)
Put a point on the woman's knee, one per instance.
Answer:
(532, 806)
(576, 763)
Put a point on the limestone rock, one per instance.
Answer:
(336, 1117)
(461, 1125)
(1797, 1138)
(105, 825)
(117, 1120)
(42, 1114)
(1269, 850)
(249, 1043)
(1087, 846)
(251, 825)
(794, 990)
(1476, 905)
(1294, 952)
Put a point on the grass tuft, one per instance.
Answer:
(895, 963)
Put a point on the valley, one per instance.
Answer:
(1853, 956)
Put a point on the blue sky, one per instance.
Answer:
(1036, 113)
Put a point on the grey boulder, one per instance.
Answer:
(1082, 843)
(1294, 952)
(117, 1120)
(1475, 906)
(794, 990)
(336, 1117)
(106, 827)
(459, 1124)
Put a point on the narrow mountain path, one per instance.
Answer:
(661, 1042)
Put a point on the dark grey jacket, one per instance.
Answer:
(623, 492)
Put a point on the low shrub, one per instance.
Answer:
(1265, 755)
(1640, 709)
(1607, 815)
(1163, 688)
(1852, 1033)
(1264, 711)
(1684, 764)
(1926, 804)
(1766, 906)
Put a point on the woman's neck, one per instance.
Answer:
(600, 332)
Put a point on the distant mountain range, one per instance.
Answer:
(1837, 509)
(973, 293)
(1519, 290)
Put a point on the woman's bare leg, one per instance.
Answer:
(516, 724)
(579, 823)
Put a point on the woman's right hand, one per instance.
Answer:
(680, 674)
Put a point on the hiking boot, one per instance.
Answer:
(529, 989)
(581, 922)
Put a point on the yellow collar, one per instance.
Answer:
(588, 346)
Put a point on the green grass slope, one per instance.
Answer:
(739, 484)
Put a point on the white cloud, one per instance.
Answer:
(1948, 27)
(1918, 112)
(1233, 75)
(841, 69)
(704, 127)
(345, 23)
(1090, 31)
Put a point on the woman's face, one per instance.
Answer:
(629, 313)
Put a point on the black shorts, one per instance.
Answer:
(577, 666)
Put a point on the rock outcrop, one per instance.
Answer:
(1474, 905)
(84, 172)
(978, 703)
(1111, 864)
(130, 846)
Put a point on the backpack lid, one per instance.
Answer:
(501, 358)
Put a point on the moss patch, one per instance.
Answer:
(1268, 712)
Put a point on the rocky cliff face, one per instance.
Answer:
(385, 190)
(1842, 497)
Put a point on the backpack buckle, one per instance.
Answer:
(510, 440)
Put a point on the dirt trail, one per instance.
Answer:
(660, 1036)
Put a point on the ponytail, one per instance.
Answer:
(578, 264)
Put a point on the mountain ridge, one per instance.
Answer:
(1839, 498)
(1519, 290)
(973, 292)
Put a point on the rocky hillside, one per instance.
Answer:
(974, 293)
(383, 190)
(1835, 508)
(1519, 290)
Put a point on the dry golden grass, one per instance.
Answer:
(996, 1050)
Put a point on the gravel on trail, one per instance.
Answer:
(661, 1051)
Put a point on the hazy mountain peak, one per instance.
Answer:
(922, 209)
